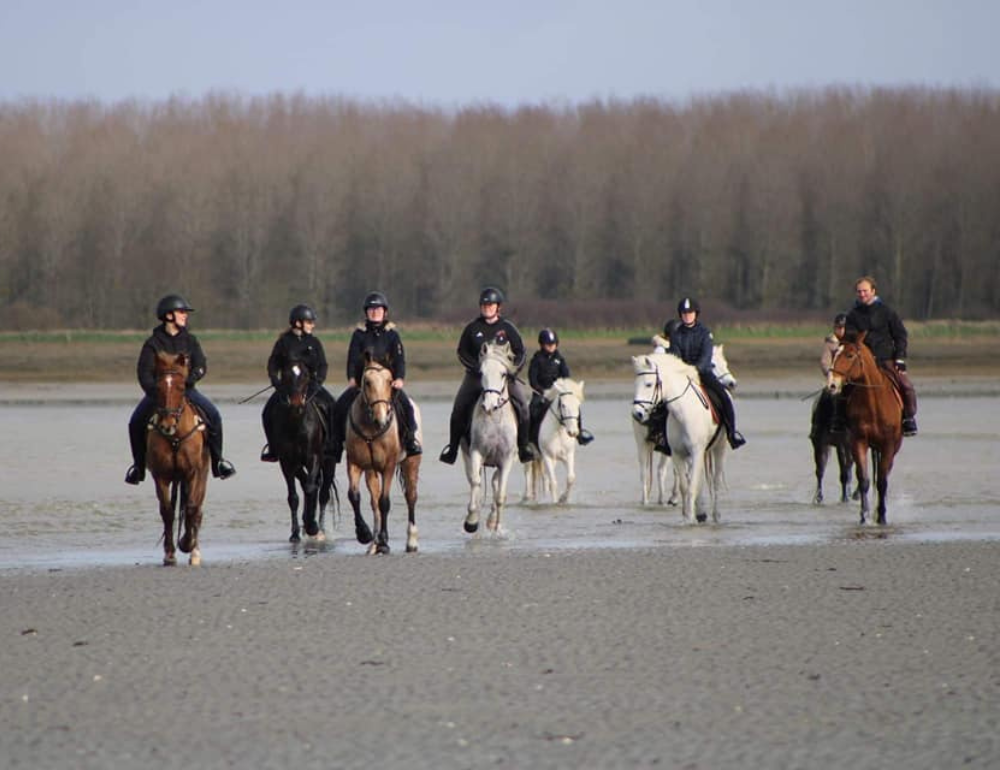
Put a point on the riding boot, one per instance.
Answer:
(584, 437)
(221, 468)
(909, 404)
(525, 452)
(267, 455)
(736, 439)
(137, 441)
(456, 429)
(407, 425)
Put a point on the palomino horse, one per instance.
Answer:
(874, 417)
(823, 440)
(492, 441)
(697, 439)
(298, 429)
(177, 457)
(557, 434)
(644, 447)
(373, 447)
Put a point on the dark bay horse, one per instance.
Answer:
(177, 457)
(374, 448)
(299, 432)
(823, 440)
(874, 417)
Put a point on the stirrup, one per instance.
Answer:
(223, 470)
(136, 474)
(909, 426)
(267, 456)
(736, 440)
(413, 448)
(526, 454)
(584, 437)
(448, 455)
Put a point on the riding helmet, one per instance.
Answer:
(170, 303)
(376, 299)
(840, 319)
(491, 295)
(548, 337)
(301, 313)
(670, 327)
(688, 305)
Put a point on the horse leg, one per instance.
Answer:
(821, 453)
(500, 477)
(410, 476)
(860, 451)
(193, 515)
(378, 492)
(474, 474)
(570, 463)
(310, 488)
(361, 530)
(293, 501)
(697, 471)
(845, 463)
(883, 465)
(644, 450)
(551, 481)
(166, 495)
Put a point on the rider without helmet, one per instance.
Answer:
(688, 305)
(548, 337)
(171, 303)
(301, 313)
(491, 295)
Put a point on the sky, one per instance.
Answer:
(452, 53)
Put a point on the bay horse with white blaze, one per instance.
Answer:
(874, 417)
(374, 448)
(177, 457)
(298, 429)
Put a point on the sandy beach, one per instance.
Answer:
(867, 654)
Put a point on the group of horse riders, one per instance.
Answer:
(378, 339)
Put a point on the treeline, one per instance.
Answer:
(762, 203)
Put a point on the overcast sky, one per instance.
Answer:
(457, 52)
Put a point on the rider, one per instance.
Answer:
(886, 337)
(548, 365)
(298, 344)
(378, 337)
(692, 343)
(830, 410)
(487, 327)
(172, 336)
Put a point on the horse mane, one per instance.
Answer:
(564, 385)
(664, 362)
(500, 352)
(176, 361)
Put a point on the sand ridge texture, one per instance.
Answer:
(867, 654)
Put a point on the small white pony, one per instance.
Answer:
(557, 435)
(644, 447)
(698, 442)
(493, 436)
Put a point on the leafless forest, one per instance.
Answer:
(761, 203)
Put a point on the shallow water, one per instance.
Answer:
(63, 502)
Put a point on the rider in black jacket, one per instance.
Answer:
(887, 339)
(486, 328)
(546, 366)
(172, 336)
(692, 342)
(378, 338)
(299, 344)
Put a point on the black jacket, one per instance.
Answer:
(162, 342)
(304, 348)
(693, 345)
(478, 332)
(545, 368)
(382, 341)
(886, 336)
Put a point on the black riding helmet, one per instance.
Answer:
(491, 295)
(688, 305)
(548, 337)
(376, 299)
(840, 319)
(670, 327)
(301, 313)
(170, 303)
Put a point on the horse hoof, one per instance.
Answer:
(701, 518)
(471, 528)
(295, 538)
(312, 529)
(170, 561)
(184, 543)
(195, 559)
(411, 548)
(382, 549)
(321, 536)
(364, 536)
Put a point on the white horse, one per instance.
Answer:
(697, 439)
(557, 435)
(654, 465)
(493, 436)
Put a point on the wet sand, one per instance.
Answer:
(857, 655)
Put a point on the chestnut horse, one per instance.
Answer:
(299, 432)
(874, 417)
(177, 457)
(373, 447)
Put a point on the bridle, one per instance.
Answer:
(503, 394)
(658, 397)
(858, 361)
(369, 408)
(556, 407)
(167, 419)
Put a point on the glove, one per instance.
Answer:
(900, 365)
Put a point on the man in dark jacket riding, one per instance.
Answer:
(378, 338)
(172, 336)
(298, 344)
(488, 327)
(886, 337)
(692, 342)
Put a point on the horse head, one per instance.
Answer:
(720, 366)
(648, 388)
(849, 364)
(565, 397)
(171, 384)
(376, 392)
(496, 364)
(295, 380)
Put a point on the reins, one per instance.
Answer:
(369, 408)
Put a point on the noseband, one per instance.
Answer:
(560, 413)
(173, 416)
(658, 397)
(503, 395)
